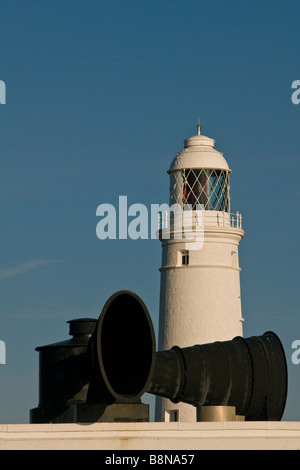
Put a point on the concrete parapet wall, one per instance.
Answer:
(152, 436)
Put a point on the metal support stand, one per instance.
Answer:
(218, 413)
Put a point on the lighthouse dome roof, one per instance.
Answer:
(199, 152)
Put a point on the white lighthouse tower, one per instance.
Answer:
(200, 297)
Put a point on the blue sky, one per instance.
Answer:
(99, 98)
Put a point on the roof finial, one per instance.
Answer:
(199, 127)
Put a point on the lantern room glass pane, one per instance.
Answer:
(208, 187)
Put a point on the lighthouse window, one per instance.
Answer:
(185, 257)
(207, 187)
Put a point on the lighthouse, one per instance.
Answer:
(200, 294)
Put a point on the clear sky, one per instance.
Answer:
(99, 98)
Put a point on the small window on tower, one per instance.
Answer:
(185, 258)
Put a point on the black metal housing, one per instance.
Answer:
(106, 363)
(250, 374)
(101, 373)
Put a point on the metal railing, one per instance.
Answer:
(236, 220)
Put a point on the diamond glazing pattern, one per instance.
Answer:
(208, 187)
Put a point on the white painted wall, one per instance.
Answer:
(199, 303)
(152, 436)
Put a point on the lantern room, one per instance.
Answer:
(199, 174)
